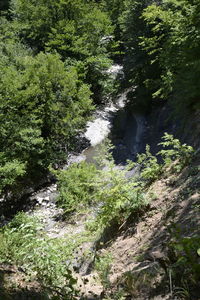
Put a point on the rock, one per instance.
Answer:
(39, 200)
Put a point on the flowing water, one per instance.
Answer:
(126, 129)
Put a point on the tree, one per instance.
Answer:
(175, 32)
(141, 70)
(74, 29)
(42, 106)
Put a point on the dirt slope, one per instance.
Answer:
(142, 258)
(143, 262)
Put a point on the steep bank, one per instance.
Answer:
(144, 258)
(154, 254)
(161, 119)
(136, 242)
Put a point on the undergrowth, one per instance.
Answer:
(41, 258)
(103, 186)
(112, 195)
(77, 186)
(108, 188)
(185, 267)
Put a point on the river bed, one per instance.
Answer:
(126, 129)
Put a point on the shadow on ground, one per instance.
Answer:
(10, 293)
(151, 275)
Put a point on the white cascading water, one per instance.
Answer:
(96, 131)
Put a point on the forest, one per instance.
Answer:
(55, 58)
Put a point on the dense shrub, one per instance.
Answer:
(23, 243)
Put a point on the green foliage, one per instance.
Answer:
(162, 52)
(109, 190)
(72, 37)
(11, 48)
(151, 169)
(175, 152)
(42, 106)
(63, 25)
(141, 71)
(118, 197)
(103, 265)
(115, 8)
(175, 156)
(41, 258)
(175, 40)
(185, 266)
(10, 172)
(75, 30)
(4, 5)
(186, 250)
(77, 186)
(53, 59)
(102, 84)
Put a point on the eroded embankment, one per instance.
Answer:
(145, 261)
(141, 260)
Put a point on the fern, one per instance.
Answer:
(175, 151)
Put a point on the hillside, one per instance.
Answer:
(151, 254)
(100, 149)
(155, 252)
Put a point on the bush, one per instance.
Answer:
(174, 155)
(149, 164)
(114, 194)
(10, 172)
(181, 153)
(77, 186)
(103, 266)
(41, 258)
(185, 252)
(118, 196)
(109, 190)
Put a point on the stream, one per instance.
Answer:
(126, 130)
